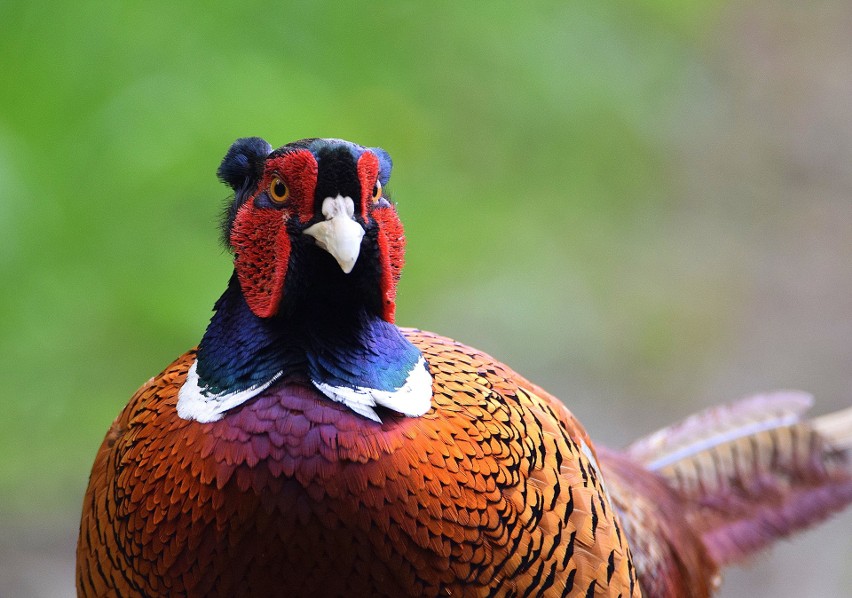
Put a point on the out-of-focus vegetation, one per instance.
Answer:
(644, 206)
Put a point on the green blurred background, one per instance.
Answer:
(644, 207)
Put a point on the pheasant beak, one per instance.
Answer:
(339, 234)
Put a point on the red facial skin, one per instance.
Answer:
(262, 244)
(259, 235)
(392, 253)
(391, 237)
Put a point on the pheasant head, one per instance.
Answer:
(318, 250)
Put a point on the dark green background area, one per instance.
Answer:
(645, 207)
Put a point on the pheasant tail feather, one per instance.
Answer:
(754, 471)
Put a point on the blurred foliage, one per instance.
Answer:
(525, 139)
(530, 148)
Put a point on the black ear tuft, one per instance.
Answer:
(244, 162)
(241, 168)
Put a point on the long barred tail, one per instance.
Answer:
(754, 471)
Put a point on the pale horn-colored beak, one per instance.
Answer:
(339, 234)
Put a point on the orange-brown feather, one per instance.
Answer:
(493, 492)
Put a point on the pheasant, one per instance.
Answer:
(310, 447)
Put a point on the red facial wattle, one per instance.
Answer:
(391, 240)
(259, 235)
(390, 237)
(299, 171)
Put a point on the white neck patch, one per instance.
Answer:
(196, 404)
(413, 398)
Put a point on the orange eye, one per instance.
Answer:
(377, 190)
(279, 192)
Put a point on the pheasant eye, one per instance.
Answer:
(377, 191)
(278, 190)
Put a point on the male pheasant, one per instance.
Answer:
(309, 447)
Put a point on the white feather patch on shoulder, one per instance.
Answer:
(195, 404)
(413, 398)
